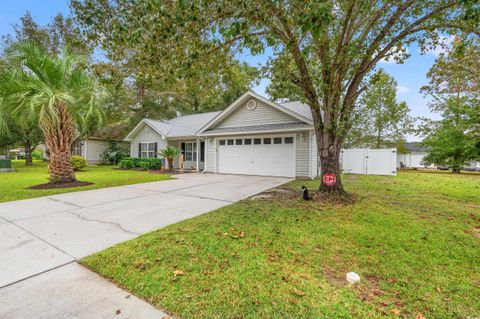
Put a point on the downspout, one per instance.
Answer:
(204, 155)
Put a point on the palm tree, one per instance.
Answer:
(56, 90)
(169, 153)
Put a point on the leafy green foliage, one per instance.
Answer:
(144, 166)
(169, 152)
(126, 163)
(114, 153)
(449, 140)
(78, 163)
(144, 163)
(453, 86)
(328, 50)
(37, 155)
(59, 33)
(380, 120)
(32, 83)
(148, 83)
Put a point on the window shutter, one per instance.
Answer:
(156, 150)
(139, 149)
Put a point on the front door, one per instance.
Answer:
(189, 151)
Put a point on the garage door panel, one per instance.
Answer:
(264, 159)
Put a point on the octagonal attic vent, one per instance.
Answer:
(251, 104)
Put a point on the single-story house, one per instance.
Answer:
(91, 149)
(414, 157)
(252, 136)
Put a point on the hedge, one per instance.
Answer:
(142, 163)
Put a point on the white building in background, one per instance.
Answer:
(414, 157)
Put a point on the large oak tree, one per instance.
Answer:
(328, 48)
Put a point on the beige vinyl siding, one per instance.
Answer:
(262, 114)
(146, 136)
(210, 155)
(92, 150)
(302, 156)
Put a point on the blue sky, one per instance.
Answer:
(410, 75)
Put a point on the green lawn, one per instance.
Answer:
(414, 239)
(13, 185)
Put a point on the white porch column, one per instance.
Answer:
(198, 155)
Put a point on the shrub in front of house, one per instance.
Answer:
(144, 166)
(78, 163)
(114, 153)
(126, 163)
(141, 163)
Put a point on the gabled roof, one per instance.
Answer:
(191, 125)
(249, 94)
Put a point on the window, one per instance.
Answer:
(267, 140)
(222, 142)
(248, 141)
(229, 142)
(147, 150)
(277, 140)
(190, 151)
(288, 140)
(77, 149)
(257, 141)
(239, 142)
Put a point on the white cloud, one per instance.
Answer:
(402, 89)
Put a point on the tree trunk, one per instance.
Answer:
(170, 164)
(59, 135)
(60, 168)
(330, 164)
(456, 170)
(28, 153)
(379, 138)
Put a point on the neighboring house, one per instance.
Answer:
(91, 149)
(414, 157)
(252, 136)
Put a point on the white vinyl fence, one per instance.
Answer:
(369, 161)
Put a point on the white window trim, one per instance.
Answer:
(148, 151)
(193, 152)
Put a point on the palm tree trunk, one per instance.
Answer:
(59, 136)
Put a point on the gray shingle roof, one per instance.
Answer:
(258, 128)
(416, 147)
(299, 108)
(186, 125)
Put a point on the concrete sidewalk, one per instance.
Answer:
(41, 239)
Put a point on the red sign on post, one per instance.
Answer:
(329, 179)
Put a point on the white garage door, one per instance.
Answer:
(268, 156)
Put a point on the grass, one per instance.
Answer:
(414, 240)
(13, 185)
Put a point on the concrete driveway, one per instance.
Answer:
(41, 239)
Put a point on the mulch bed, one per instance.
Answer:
(286, 195)
(60, 185)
